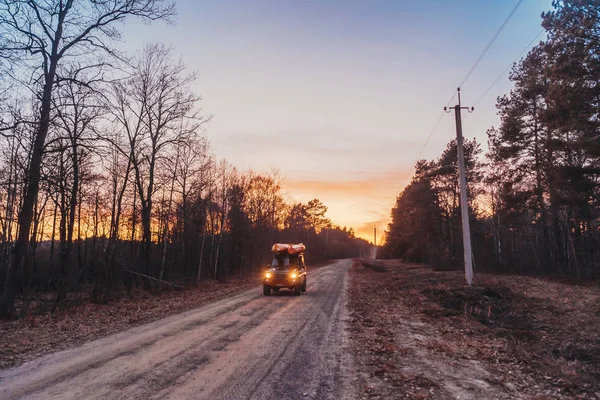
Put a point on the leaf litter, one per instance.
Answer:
(424, 334)
(40, 333)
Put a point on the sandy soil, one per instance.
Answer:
(246, 346)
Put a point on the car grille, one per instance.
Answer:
(280, 278)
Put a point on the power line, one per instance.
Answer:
(509, 67)
(451, 98)
(468, 75)
(425, 144)
(466, 230)
(437, 124)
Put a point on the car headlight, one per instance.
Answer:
(293, 275)
(268, 275)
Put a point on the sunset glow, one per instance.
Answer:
(341, 96)
(362, 204)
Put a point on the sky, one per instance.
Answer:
(341, 95)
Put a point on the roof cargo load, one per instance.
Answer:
(288, 248)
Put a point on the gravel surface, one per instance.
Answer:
(247, 346)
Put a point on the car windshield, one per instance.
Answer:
(281, 262)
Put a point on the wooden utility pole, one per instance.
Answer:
(464, 205)
(375, 236)
(375, 242)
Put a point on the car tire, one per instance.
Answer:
(266, 290)
(297, 290)
(303, 287)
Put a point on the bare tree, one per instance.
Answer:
(226, 178)
(77, 109)
(157, 111)
(189, 184)
(202, 205)
(167, 213)
(47, 34)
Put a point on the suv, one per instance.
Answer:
(287, 270)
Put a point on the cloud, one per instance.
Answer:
(373, 186)
(358, 180)
(329, 143)
(305, 154)
(360, 203)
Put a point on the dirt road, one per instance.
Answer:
(245, 347)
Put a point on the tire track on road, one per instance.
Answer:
(241, 347)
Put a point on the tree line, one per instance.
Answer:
(534, 198)
(107, 179)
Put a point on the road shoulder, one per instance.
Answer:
(422, 334)
(34, 336)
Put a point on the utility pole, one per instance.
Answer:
(327, 244)
(464, 205)
(375, 241)
(375, 236)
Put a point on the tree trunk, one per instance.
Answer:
(222, 227)
(8, 224)
(29, 261)
(33, 184)
(166, 229)
(146, 238)
(133, 224)
(80, 261)
(72, 208)
(218, 250)
(201, 254)
(62, 232)
(52, 244)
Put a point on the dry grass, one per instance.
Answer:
(530, 337)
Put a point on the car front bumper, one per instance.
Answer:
(282, 281)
